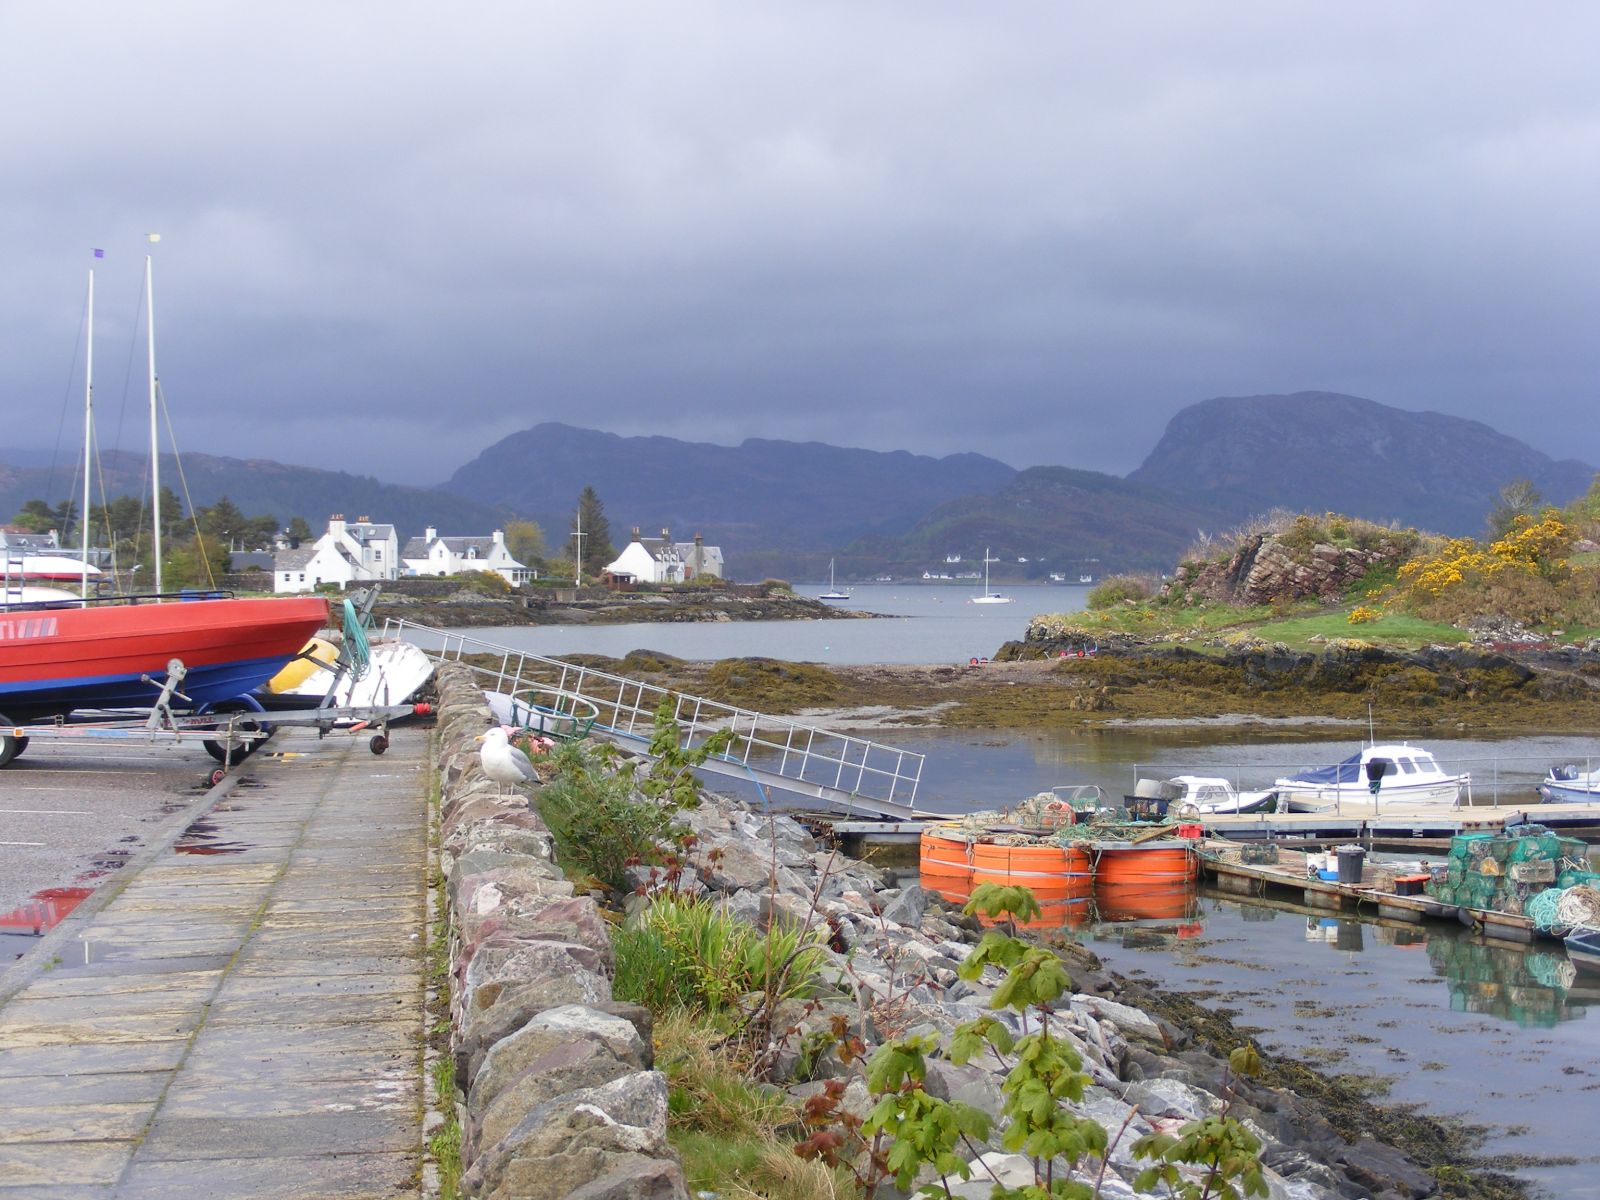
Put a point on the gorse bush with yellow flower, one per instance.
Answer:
(1521, 575)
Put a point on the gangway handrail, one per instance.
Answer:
(839, 763)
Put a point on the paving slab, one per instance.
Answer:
(243, 1017)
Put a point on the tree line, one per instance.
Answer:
(211, 534)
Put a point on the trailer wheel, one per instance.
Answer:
(10, 748)
(378, 744)
(218, 747)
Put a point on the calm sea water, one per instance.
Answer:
(926, 624)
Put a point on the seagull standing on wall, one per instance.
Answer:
(503, 762)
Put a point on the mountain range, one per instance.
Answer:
(785, 508)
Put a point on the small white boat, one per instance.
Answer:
(989, 597)
(833, 593)
(1407, 774)
(395, 671)
(1201, 795)
(1570, 785)
(49, 566)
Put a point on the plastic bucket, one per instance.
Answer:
(1351, 861)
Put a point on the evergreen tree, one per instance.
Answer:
(590, 520)
(300, 531)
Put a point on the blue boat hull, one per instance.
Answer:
(22, 702)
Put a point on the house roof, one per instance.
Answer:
(420, 548)
(292, 560)
(369, 532)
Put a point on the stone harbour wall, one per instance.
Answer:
(557, 1097)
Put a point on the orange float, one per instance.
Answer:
(1051, 872)
(1153, 862)
(944, 858)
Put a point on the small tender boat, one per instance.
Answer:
(1198, 795)
(1583, 948)
(395, 671)
(1408, 774)
(1569, 785)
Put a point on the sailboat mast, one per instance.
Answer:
(155, 445)
(88, 436)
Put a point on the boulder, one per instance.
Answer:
(589, 1137)
(568, 1063)
(512, 1055)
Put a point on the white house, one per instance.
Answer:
(357, 551)
(661, 560)
(431, 554)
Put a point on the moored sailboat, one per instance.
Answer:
(81, 653)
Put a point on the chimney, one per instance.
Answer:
(429, 534)
(499, 535)
(336, 524)
(666, 536)
(363, 520)
(636, 533)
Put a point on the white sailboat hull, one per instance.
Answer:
(1445, 793)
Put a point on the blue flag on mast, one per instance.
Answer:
(99, 253)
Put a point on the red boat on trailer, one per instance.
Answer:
(55, 659)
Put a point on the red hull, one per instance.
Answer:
(56, 659)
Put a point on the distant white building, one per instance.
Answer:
(359, 551)
(431, 554)
(662, 560)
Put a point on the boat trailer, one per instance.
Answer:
(229, 736)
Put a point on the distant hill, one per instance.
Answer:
(1320, 451)
(1061, 520)
(758, 496)
(260, 486)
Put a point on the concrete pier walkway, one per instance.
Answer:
(240, 1013)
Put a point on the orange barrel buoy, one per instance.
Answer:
(1145, 901)
(1152, 862)
(1049, 871)
(944, 858)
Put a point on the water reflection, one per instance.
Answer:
(1533, 987)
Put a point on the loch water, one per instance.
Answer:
(1495, 1035)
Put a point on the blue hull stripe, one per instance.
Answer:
(203, 685)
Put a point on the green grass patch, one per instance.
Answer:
(1390, 629)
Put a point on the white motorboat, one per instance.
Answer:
(1571, 785)
(1405, 774)
(987, 596)
(833, 593)
(1202, 795)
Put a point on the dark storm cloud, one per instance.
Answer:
(393, 233)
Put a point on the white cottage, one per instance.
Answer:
(431, 554)
(661, 560)
(359, 551)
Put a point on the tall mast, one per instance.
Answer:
(88, 434)
(155, 445)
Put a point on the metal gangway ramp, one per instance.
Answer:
(846, 774)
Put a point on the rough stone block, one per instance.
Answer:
(576, 1139)
(510, 1057)
(576, 1061)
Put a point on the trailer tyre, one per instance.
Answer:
(218, 748)
(378, 744)
(10, 748)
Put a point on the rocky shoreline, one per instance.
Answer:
(557, 1091)
(470, 608)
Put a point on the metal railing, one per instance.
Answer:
(777, 747)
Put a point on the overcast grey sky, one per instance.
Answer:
(395, 232)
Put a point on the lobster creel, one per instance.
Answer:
(1051, 872)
